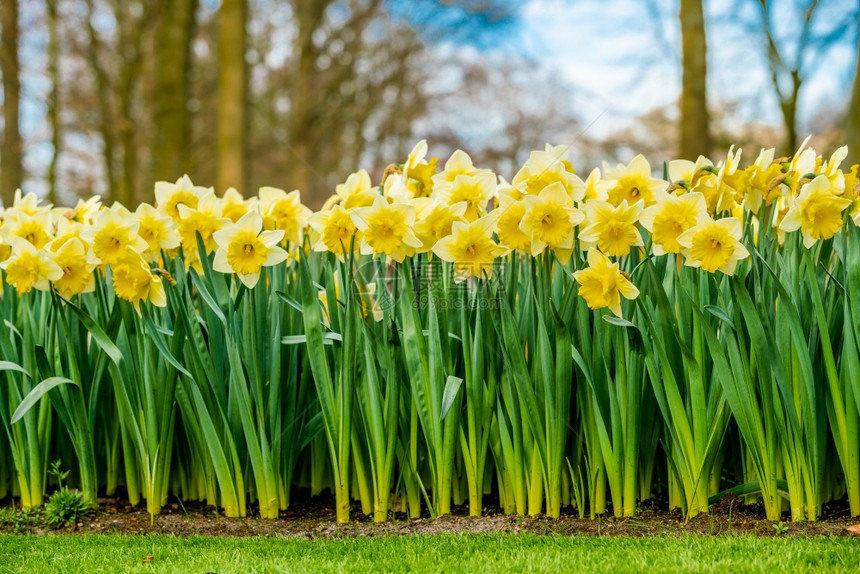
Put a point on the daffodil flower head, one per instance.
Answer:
(112, 236)
(169, 196)
(84, 210)
(333, 230)
(71, 257)
(474, 190)
(596, 187)
(66, 229)
(356, 191)
(27, 204)
(602, 283)
(204, 220)
(244, 248)
(135, 282)
(671, 216)
(387, 228)
(418, 171)
(157, 229)
(35, 229)
(434, 220)
(284, 211)
(633, 182)
(549, 221)
(544, 168)
(612, 228)
(29, 268)
(233, 205)
(713, 245)
(471, 248)
(511, 212)
(458, 164)
(817, 211)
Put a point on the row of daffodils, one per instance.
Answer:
(553, 340)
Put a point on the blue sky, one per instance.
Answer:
(623, 58)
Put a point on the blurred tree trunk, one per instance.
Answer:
(232, 86)
(131, 34)
(695, 139)
(305, 94)
(852, 118)
(106, 116)
(786, 77)
(171, 121)
(54, 100)
(11, 170)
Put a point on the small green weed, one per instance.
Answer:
(65, 506)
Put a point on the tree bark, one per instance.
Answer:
(54, 100)
(11, 170)
(695, 138)
(232, 88)
(171, 121)
(105, 111)
(852, 119)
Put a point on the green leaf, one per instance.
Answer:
(99, 336)
(619, 321)
(452, 387)
(37, 393)
(720, 314)
(9, 366)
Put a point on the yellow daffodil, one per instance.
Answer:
(543, 169)
(26, 204)
(597, 187)
(33, 228)
(111, 236)
(84, 210)
(28, 268)
(458, 164)
(830, 169)
(233, 205)
(759, 177)
(67, 229)
(169, 196)
(671, 216)
(434, 220)
(204, 220)
(633, 182)
(332, 230)
(284, 211)
(356, 191)
(549, 221)
(852, 192)
(471, 248)
(602, 283)
(135, 282)
(612, 228)
(71, 258)
(414, 179)
(244, 248)
(817, 211)
(474, 190)
(157, 229)
(714, 245)
(684, 173)
(419, 171)
(511, 212)
(387, 228)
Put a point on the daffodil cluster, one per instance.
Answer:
(461, 214)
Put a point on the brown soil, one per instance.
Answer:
(314, 518)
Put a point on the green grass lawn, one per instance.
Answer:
(472, 553)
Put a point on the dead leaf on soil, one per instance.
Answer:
(854, 530)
